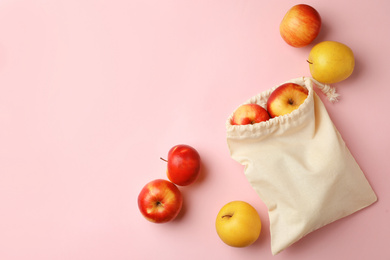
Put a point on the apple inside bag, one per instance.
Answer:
(300, 167)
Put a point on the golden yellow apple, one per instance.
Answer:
(238, 224)
(331, 62)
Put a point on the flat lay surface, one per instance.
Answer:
(93, 93)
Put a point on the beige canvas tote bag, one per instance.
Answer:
(300, 167)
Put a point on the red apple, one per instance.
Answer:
(160, 201)
(183, 165)
(300, 26)
(249, 114)
(285, 99)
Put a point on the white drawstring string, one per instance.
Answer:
(329, 91)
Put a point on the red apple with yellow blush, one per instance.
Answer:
(249, 114)
(160, 201)
(285, 99)
(300, 26)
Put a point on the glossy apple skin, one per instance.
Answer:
(238, 224)
(183, 165)
(300, 26)
(331, 62)
(160, 201)
(249, 114)
(285, 99)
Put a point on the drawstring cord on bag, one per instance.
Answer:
(329, 91)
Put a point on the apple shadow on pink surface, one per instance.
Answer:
(186, 190)
(202, 175)
(263, 242)
(182, 211)
(358, 69)
(323, 35)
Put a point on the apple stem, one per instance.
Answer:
(309, 62)
(163, 159)
(227, 216)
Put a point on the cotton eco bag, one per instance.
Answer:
(300, 167)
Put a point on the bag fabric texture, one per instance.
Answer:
(300, 167)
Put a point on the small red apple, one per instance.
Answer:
(285, 99)
(249, 114)
(300, 26)
(160, 201)
(183, 165)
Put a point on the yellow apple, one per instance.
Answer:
(331, 62)
(238, 224)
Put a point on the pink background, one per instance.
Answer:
(92, 93)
